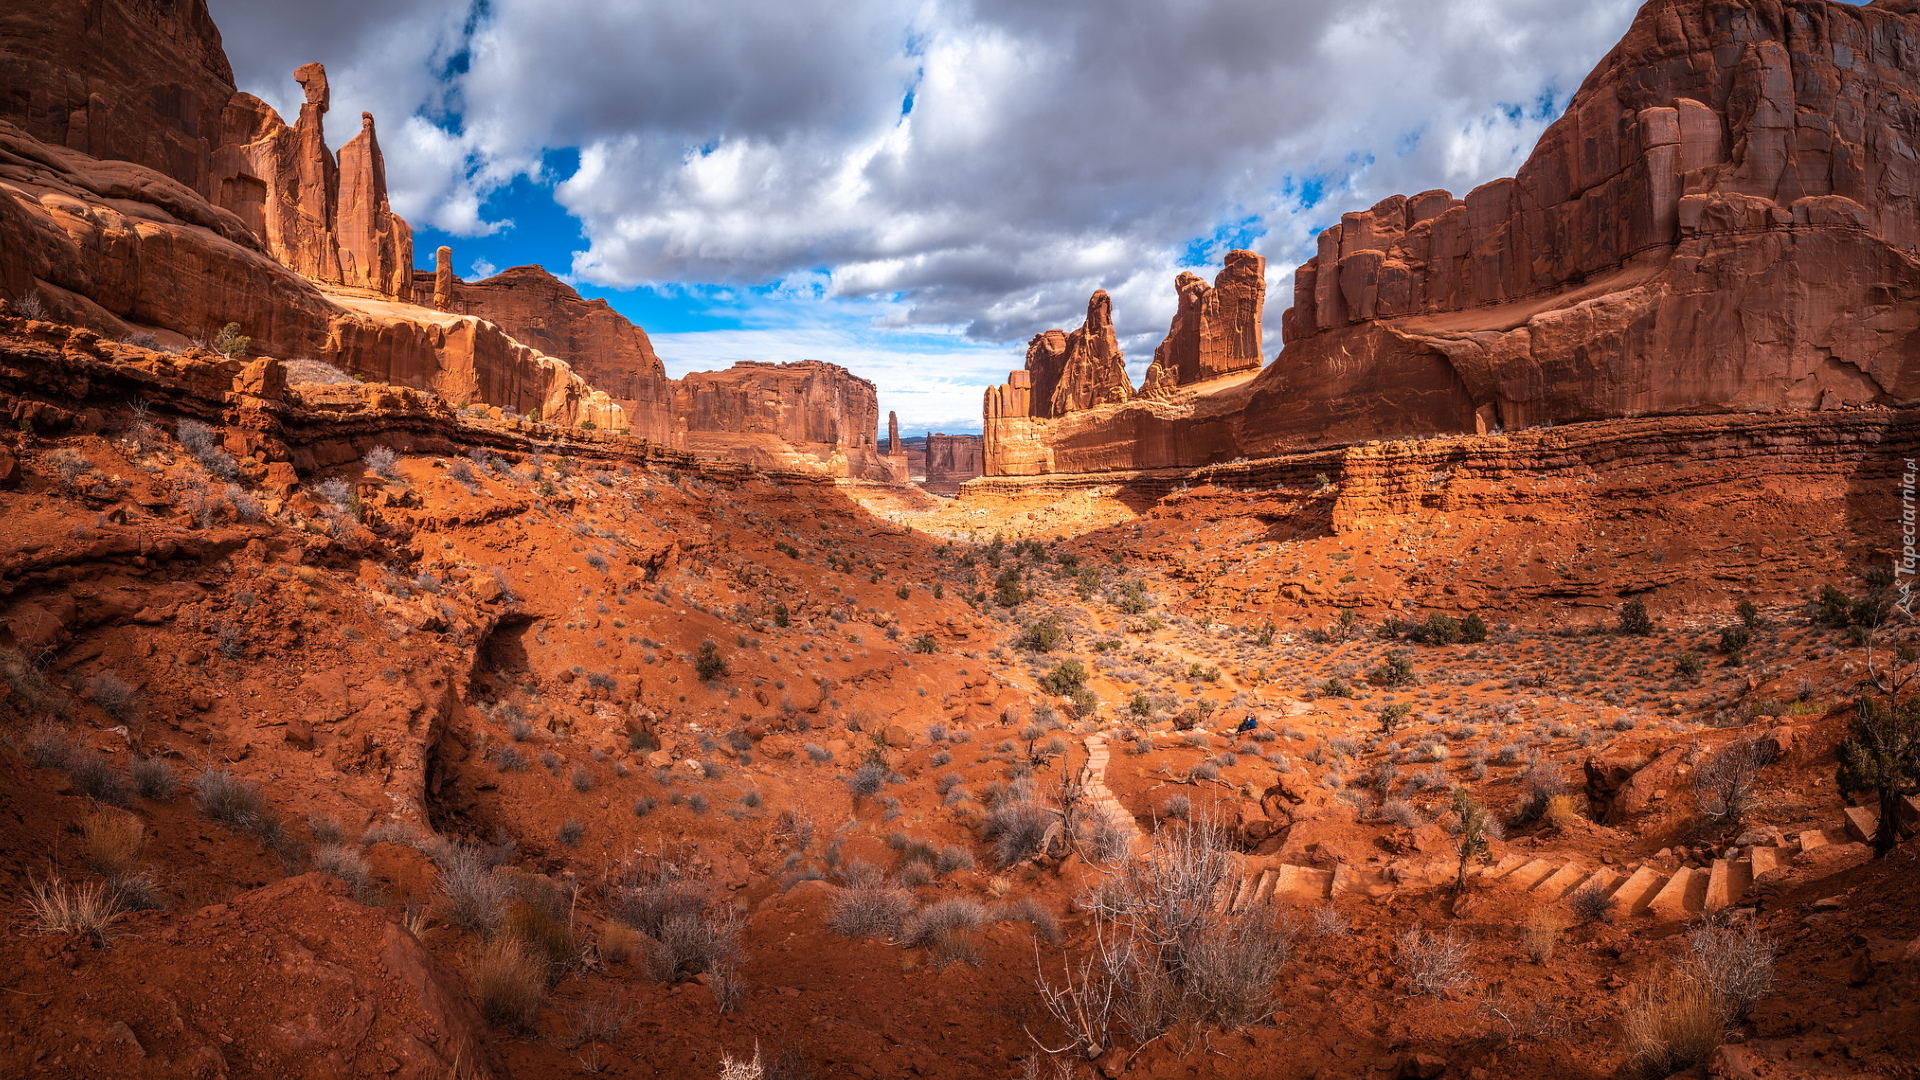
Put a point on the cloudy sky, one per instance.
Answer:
(914, 188)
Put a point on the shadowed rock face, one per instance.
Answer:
(1722, 221)
(1216, 329)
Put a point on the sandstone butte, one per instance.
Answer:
(142, 194)
(1721, 221)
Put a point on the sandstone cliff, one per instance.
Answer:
(606, 349)
(1722, 221)
(807, 416)
(952, 460)
(1216, 329)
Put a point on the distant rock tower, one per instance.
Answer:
(443, 279)
(897, 451)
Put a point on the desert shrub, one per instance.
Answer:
(1727, 784)
(49, 746)
(1326, 921)
(153, 778)
(691, 944)
(867, 780)
(1562, 812)
(1539, 785)
(1017, 825)
(509, 984)
(472, 895)
(1066, 677)
(733, 1068)
(203, 444)
(1690, 665)
(347, 864)
(1395, 670)
(507, 759)
(1881, 757)
(820, 754)
(1391, 716)
(112, 841)
(382, 462)
(1035, 914)
(1165, 953)
(1734, 963)
(230, 342)
(1402, 813)
(94, 776)
(1177, 808)
(1043, 635)
(545, 935)
(569, 832)
(308, 372)
(86, 910)
(582, 779)
(1735, 639)
(946, 928)
(228, 799)
(1591, 903)
(1433, 963)
(1634, 619)
(708, 663)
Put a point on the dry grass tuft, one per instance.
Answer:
(1562, 812)
(1673, 1022)
(87, 910)
(1541, 934)
(545, 937)
(113, 841)
(510, 983)
(1434, 963)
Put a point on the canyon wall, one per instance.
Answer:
(806, 416)
(599, 343)
(952, 460)
(1721, 221)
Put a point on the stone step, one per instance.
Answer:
(1263, 892)
(1762, 859)
(1685, 893)
(1730, 880)
(1561, 881)
(1861, 823)
(1302, 885)
(1638, 890)
(1531, 874)
(1238, 898)
(1811, 839)
(1607, 879)
(1500, 869)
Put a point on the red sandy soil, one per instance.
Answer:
(366, 669)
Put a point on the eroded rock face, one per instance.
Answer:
(599, 343)
(807, 416)
(327, 219)
(1720, 222)
(1216, 329)
(952, 460)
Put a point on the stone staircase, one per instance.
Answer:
(1637, 890)
(1100, 799)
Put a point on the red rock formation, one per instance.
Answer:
(329, 220)
(1216, 330)
(1722, 221)
(806, 416)
(952, 460)
(120, 80)
(896, 452)
(599, 343)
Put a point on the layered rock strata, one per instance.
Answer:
(952, 460)
(545, 313)
(1216, 328)
(807, 416)
(1721, 221)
